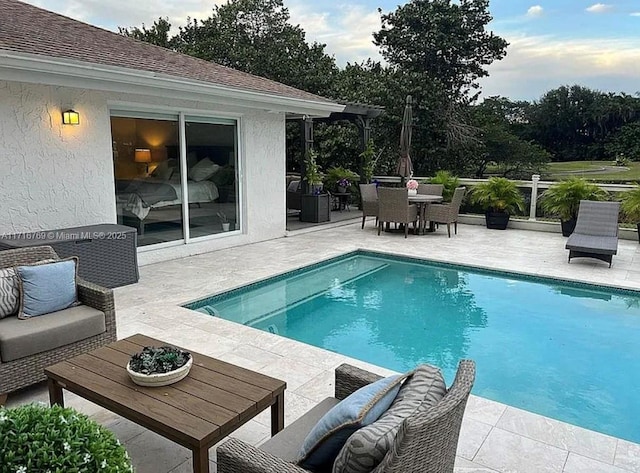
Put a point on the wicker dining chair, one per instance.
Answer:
(393, 206)
(369, 196)
(425, 442)
(430, 189)
(447, 213)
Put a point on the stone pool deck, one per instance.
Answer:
(494, 438)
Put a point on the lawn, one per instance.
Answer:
(594, 170)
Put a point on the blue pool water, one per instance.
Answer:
(567, 351)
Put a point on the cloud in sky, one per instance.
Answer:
(536, 64)
(599, 8)
(635, 13)
(535, 11)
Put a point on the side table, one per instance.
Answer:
(341, 200)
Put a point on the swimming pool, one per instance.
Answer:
(568, 351)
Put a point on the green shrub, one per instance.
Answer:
(334, 175)
(448, 180)
(630, 204)
(498, 194)
(36, 438)
(562, 199)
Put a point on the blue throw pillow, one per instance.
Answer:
(363, 407)
(46, 288)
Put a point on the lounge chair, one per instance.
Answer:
(393, 206)
(447, 213)
(596, 232)
(369, 196)
(425, 442)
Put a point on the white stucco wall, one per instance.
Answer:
(56, 176)
(53, 176)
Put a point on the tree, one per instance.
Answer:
(625, 143)
(440, 48)
(158, 34)
(255, 36)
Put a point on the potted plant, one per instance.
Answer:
(499, 197)
(562, 199)
(412, 186)
(38, 438)
(224, 221)
(369, 160)
(159, 366)
(343, 184)
(312, 173)
(630, 205)
(448, 180)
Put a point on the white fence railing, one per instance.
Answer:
(535, 184)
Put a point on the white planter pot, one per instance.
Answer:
(226, 227)
(160, 379)
(413, 191)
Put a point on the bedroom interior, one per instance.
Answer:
(148, 176)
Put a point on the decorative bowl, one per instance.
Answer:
(160, 379)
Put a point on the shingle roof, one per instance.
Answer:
(28, 29)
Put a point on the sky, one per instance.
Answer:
(551, 43)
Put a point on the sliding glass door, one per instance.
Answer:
(160, 183)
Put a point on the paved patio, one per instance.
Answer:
(494, 438)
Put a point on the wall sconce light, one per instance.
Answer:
(143, 155)
(70, 117)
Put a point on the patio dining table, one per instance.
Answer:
(422, 201)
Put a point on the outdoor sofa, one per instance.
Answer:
(28, 346)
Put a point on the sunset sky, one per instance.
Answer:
(551, 43)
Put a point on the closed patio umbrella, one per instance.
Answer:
(405, 168)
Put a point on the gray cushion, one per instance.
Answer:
(20, 338)
(602, 245)
(366, 448)
(9, 292)
(286, 443)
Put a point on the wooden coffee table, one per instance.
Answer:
(211, 402)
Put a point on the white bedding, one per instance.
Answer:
(199, 192)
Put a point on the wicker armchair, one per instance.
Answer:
(25, 371)
(426, 441)
(369, 195)
(447, 213)
(430, 189)
(393, 206)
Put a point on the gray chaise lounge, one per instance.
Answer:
(596, 232)
(425, 442)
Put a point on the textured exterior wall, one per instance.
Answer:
(53, 176)
(56, 176)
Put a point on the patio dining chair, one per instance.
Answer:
(425, 440)
(369, 196)
(393, 206)
(447, 213)
(430, 189)
(596, 232)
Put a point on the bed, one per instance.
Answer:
(137, 198)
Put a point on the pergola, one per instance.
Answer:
(358, 113)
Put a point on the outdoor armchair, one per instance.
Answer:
(393, 206)
(596, 232)
(447, 213)
(369, 196)
(426, 441)
(430, 189)
(29, 369)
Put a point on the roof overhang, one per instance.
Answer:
(36, 69)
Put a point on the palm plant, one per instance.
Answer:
(563, 198)
(498, 194)
(630, 205)
(448, 180)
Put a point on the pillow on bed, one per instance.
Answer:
(163, 171)
(203, 169)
